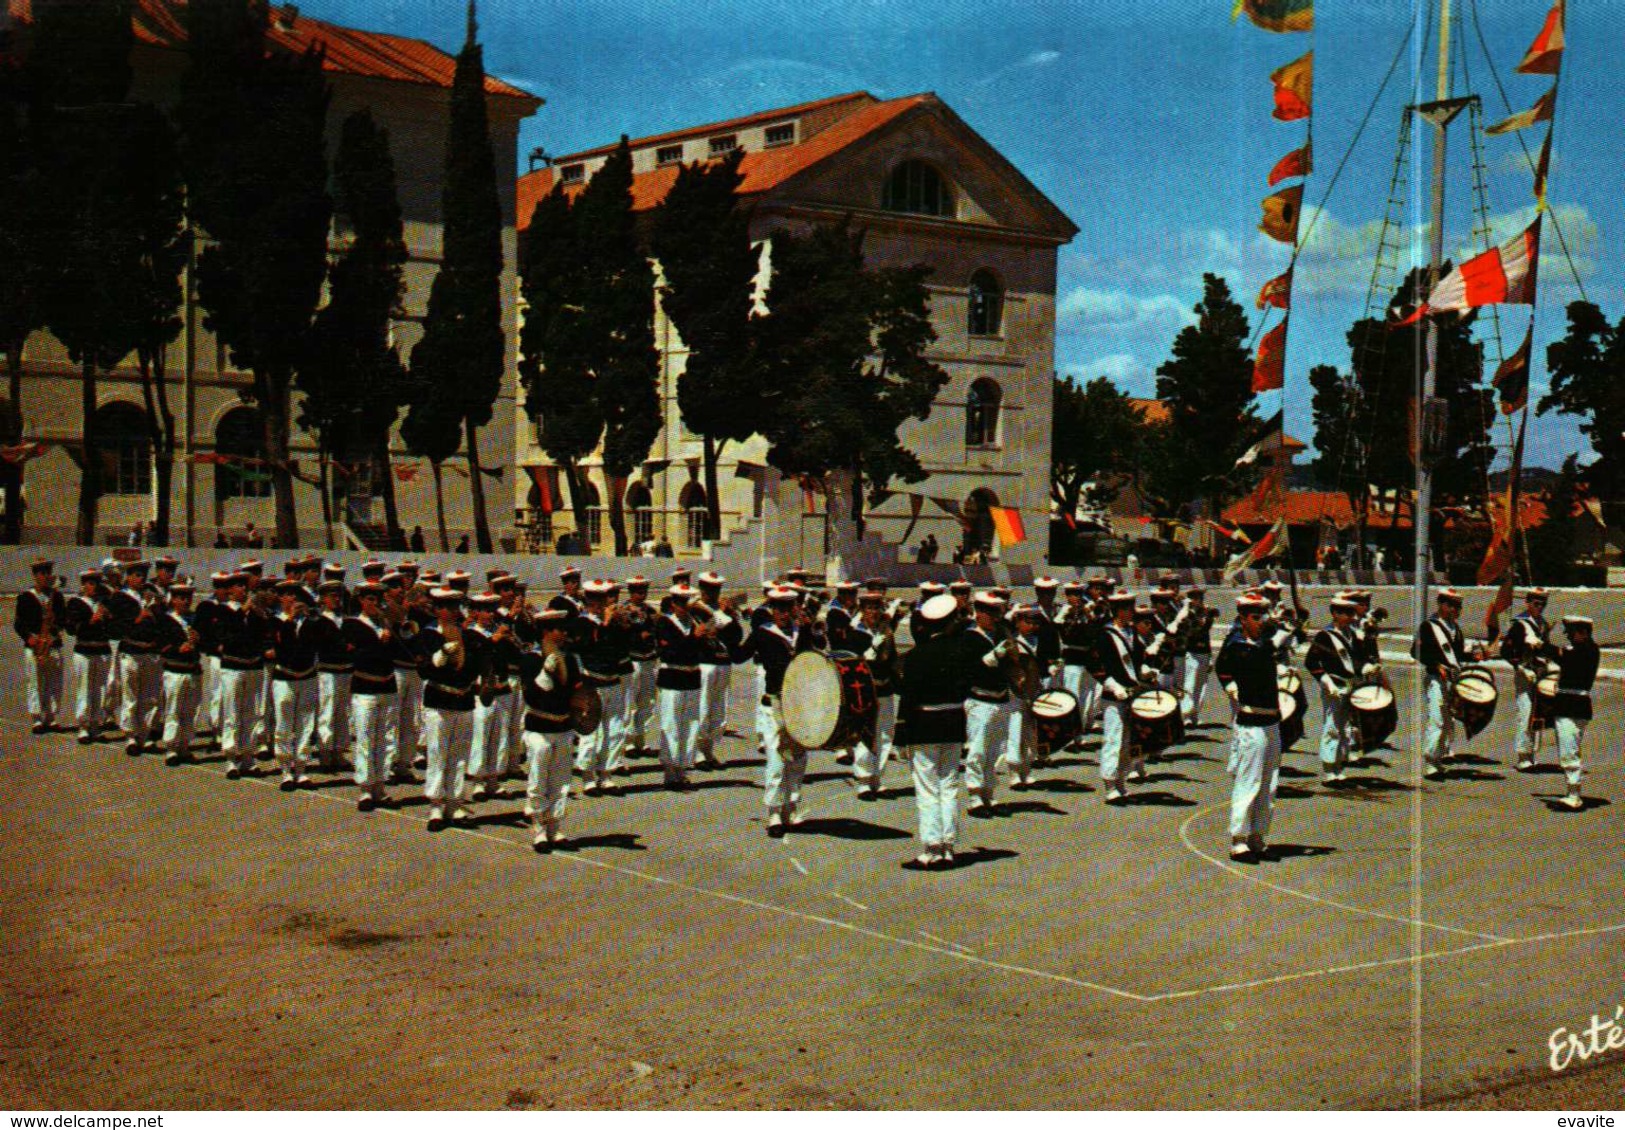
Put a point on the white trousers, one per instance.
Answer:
(1440, 727)
(1194, 671)
(1524, 744)
(640, 698)
(1570, 733)
(181, 696)
(1334, 731)
(208, 711)
(89, 692)
(601, 751)
(43, 679)
(516, 727)
(936, 791)
(408, 735)
(1256, 763)
(449, 733)
(989, 728)
(679, 729)
(111, 694)
(293, 705)
(1114, 749)
(141, 689)
(714, 682)
(785, 767)
(547, 783)
(240, 693)
(333, 711)
(372, 719)
(492, 727)
(873, 753)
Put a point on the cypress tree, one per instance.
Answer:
(461, 352)
(701, 238)
(22, 224)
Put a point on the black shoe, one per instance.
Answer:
(262, 754)
(366, 804)
(233, 773)
(174, 758)
(436, 823)
(288, 784)
(133, 749)
(86, 739)
(41, 728)
(420, 762)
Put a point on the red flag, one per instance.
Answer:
(1277, 292)
(405, 472)
(1008, 525)
(1298, 163)
(22, 452)
(1545, 54)
(1541, 168)
(1293, 88)
(1281, 210)
(546, 481)
(1269, 369)
(1512, 376)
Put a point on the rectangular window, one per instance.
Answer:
(572, 174)
(727, 143)
(132, 470)
(781, 135)
(643, 524)
(694, 528)
(595, 525)
(668, 154)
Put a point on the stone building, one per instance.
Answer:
(406, 84)
(927, 189)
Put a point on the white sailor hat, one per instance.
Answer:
(877, 584)
(1027, 612)
(1121, 599)
(959, 586)
(1247, 602)
(680, 592)
(1538, 594)
(445, 596)
(333, 570)
(637, 581)
(846, 586)
(1165, 594)
(1272, 584)
(1344, 604)
(90, 575)
(712, 580)
(779, 594)
(1577, 621)
(181, 588)
(1449, 596)
(939, 607)
(220, 579)
(369, 588)
(459, 578)
(990, 602)
(569, 571)
(931, 586)
(1073, 587)
(552, 618)
(372, 567)
(1101, 581)
(485, 601)
(1041, 583)
(596, 588)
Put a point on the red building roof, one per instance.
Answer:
(762, 169)
(1312, 507)
(369, 54)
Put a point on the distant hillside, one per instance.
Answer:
(1534, 479)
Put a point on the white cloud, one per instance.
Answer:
(1173, 260)
(1029, 62)
(1084, 309)
(1124, 370)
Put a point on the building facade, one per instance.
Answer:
(406, 84)
(927, 189)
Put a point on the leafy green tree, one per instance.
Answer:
(352, 379)
(461, 353)
(701, 238)
(1098, 438)
(1587, 370)
(1551, 545)
(253, 118)
(1207, 387)
(843, 353)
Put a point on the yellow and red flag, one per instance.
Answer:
(1269, 368)
(1298, 163)
(1512, 377)
(1281, 209)
(1007, 524)
(1545, 54)
(1277, 292)
(1277, 15)
(1294, 88)
(1541, 111)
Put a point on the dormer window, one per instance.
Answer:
(781, 135)
(726, 143)
(669, 155)
(573, 174)
(916, 187)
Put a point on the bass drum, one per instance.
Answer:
(1375, 716)
(1057, 721)
(1156, 721)
(828, 701)
(1289, 682)
(1472, 699)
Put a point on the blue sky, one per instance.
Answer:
(1148, 123)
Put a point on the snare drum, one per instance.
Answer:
(1374, 714)
(1545, 697)
(1472, 699)
(1056, 720)
(1288, 681)
(828, 701)
(1156, 721)
(1291, 718)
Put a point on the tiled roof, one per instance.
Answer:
(1311, 507)
(755, 119)
(370, 54)
(762, 169)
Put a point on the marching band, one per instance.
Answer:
(409, 670)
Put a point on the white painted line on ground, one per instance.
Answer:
(1230, 869)
(849, 901)
(796, 863)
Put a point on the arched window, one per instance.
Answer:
(978, 523)
(916, 187)
(122, 436)
(641, 503)
(986, 318)
(595, 510)
(692, 502)
(982, 413)
(240, 435)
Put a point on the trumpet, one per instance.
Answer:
(452, 633)
(45, 640)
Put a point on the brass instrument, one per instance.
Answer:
(48, 636)
(452, 634)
